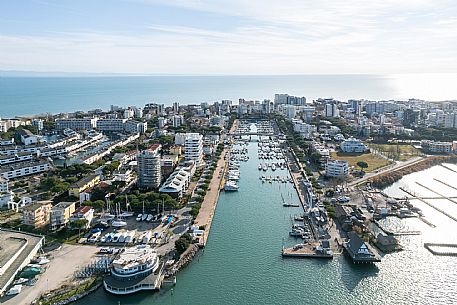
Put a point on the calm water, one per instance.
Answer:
(34, 95)
(242, 263)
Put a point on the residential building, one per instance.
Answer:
(193, 148)
(28, 138)
(111, 124)
(178, 182)
(3, 185)
(177, 120)
(83, 212)
(331, 110)
(36, 214)
(149, 172)
(168, 164)
(353, 145)
(76, 124)
(38, 123)
(336, 168)
(135, 127)
(82, 184)
(61, 213)
(437, 147)
(25, 168)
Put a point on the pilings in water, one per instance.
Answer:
(428, 203)
(439, 194)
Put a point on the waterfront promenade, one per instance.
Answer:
(208, 207)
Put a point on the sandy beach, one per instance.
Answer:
(63, 264)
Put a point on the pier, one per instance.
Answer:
(439, 194)
(447, 167)
(429, 247)
(428, 203)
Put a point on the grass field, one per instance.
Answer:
(400, 152)
(374, 161)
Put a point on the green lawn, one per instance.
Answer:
(374, 161)
(400, 152)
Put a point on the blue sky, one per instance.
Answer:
(229, 37)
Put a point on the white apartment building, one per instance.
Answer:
(353, 145)
(177, 120)
(336, 168)
(178, 182)
(15, 158)
(306, 130)
(23, 169)
(76, 124)
(136, 127)
(193, 148)
(149, 170)
(111, 124)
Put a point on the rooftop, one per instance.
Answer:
(82, 182)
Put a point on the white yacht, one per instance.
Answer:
(231, 186)
(134, 270)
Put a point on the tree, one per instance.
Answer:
(79, 224)
(362, 165)
(183, 243)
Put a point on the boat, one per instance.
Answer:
(16, 289)
(126, 213)
(118, 223)
(273, 167)
(146, 237)
(135, 269)
(144, 217)
(122, 237)
(139, 217)
(231, 186)
(291, 205)
(149, 218)
(20, 280)
(116, 237)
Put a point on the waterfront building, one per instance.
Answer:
(76, 124)
(336, 168)
(17, 251)
(134, 270)
(83, 184)
(358, 250)
(149, 173)
(193, 148)
(61, 213)
(353, 145)
(11, 171)
(37, 214)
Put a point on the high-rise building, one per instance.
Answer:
(331, 110)
(38, 123)
(176, 107)
(149, 171)
(178, 120)
(193, 146)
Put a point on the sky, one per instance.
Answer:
(229, 36)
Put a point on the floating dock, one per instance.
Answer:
(307, 251)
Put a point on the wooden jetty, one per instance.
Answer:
(429, 247)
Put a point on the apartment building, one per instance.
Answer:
(60, 214)
(353, 145)
(149, 170)
(336, 168)
(76, 124)
(37, 214)
(193, 148)
(26, 168)
(83, 184)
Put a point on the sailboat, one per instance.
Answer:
(107, 216)
(118, 222)
(126, 213)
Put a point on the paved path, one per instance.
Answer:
(60, 269)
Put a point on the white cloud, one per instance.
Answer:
(279, 37)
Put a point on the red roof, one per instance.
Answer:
(82, 210)
(154, 147)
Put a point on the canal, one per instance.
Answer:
(242, 261)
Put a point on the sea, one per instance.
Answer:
(21, 96)
(242, 262)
